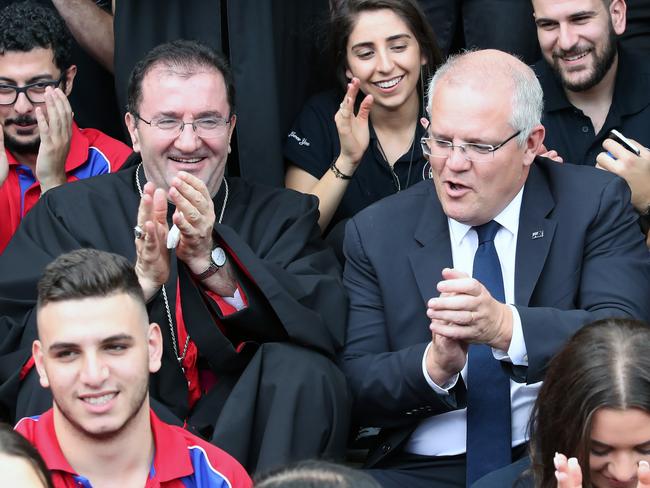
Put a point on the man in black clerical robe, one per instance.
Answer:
(247, 362)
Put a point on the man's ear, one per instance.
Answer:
(155, 345)
(618, 15)
(533, 143)
(132, 125)
(70, 73)
(37, 354)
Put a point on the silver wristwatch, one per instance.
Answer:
(217, 261)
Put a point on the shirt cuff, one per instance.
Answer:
(517, 353)
(236, 300)
(440, 390)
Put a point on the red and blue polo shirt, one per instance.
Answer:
(91, 153)
(181, 459)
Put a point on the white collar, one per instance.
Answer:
(508, 218)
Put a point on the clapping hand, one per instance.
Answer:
(55, 133)
(569, 475)
(152, 262)
(354, 134)
(465, 311)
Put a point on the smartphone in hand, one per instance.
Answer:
(623, 141)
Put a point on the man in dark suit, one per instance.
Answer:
(461, 291)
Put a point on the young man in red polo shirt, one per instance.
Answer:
(95, 352)
(41, 147)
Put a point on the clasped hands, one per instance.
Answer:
(195, 217)
(464, 313)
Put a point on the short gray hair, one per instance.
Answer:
(527, 96)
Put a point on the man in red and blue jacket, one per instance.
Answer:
(40, 145)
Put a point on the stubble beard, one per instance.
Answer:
(15, 146)
(602, 65)
(140, 396)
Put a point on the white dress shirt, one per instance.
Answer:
(445, 434)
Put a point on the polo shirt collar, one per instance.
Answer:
(49, 447)
(170, 459)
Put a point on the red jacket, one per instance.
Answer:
(91, 153)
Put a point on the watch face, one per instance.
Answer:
(219, 256)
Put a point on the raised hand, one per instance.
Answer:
(55, 133)
(465, 311)
(567, 472)
(354, 134)
(152, 260)
(195, 218)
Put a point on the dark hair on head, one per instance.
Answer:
(316, 474)
(15, 445)
(605, 364)
(26, 25)
(87, 273)
(345, 17)
(183, 58)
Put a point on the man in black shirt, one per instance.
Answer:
(593, 85)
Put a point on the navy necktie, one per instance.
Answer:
(488, 387)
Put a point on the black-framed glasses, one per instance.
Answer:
(440, 148)
(35, 92)
(206, 127)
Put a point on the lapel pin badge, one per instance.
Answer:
(538, 234)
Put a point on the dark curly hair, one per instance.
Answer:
(26, 25)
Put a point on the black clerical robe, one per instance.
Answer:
(278, 397)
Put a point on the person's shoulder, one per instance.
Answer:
(634, 60)
(35, 427)
(214, 464)
(26, 426)
(99, 139)
(111, 149)
(575, 182)
(111, 186)
(569, 174)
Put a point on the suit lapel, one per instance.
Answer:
(535, 234)
(434, 251)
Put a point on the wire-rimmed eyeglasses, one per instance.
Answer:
(205, 127)
(441, 148)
